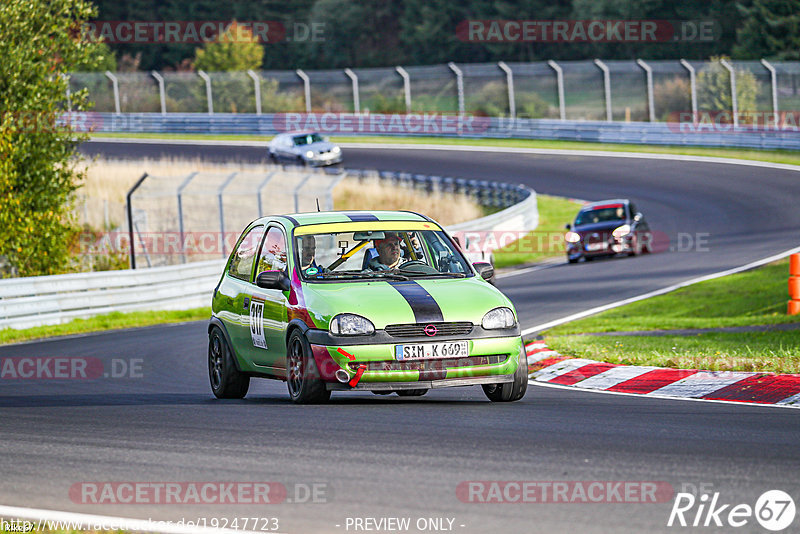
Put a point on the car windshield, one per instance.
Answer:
(307, 139)
(600, 214)
(379, 254)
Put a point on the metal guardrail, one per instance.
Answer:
(35, 301)
(657, 133)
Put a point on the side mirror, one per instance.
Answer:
(637, 217)
(484, 270)
(273, 280)
(568, 226)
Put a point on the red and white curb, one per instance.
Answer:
(550, 367)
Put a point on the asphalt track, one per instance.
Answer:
(392, 457)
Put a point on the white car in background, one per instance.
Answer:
(304, 148)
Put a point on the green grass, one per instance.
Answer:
(99, 323)
(756, 297)
(774, 156)
(546, 241)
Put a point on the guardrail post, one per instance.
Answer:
(69, 93)
(512, 104)
(774, 79)
(650, 103)
(734, 99)
(115, 86)
(129, 208)
(692, 85)
(180, 213)
(562, 108)
(258, 192)
(257, 89)
(161, 92)
(209, 98)
(221, 211)
(406, 86)
(306, 88)
(607, 85)
(460, 85)
(297, 192)
(354, 79)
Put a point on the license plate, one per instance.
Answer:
(597, 246)
(453, 349)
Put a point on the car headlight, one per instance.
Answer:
(622, 231)
(336, 150)
(572, 237)
(499, 318)
(350, 324)
(310, 154)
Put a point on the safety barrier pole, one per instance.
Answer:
(209, 98)
(406, 86)
(115, 87)
(607, 87)
(794, 285)
(161, 91)
(734, 98)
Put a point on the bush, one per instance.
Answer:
(714, 88)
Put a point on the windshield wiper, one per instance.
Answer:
(449, 275)
(361, 275)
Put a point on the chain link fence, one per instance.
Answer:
(570, 90)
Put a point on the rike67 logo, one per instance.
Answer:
(774, 510)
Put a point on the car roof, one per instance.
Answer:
(302, 219)
(601, 203)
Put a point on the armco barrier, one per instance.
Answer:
(656, 133)
(41, 300)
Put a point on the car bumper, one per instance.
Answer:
(489, 361)
(604, 248)
(322, 160)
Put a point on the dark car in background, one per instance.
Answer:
(304, 148)
(607, 228)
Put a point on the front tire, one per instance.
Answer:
(302, 375)
(226, 381)
(510, 391)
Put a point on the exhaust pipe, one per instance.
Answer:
(342, 376)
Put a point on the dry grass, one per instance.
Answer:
(108, 181)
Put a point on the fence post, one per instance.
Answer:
(693, 85)
(297, 192)
(161, 92)
(258, 192)
(460, 85)
(329, 191)
(306, 88)
(650, 101)
(406, 86)
(209, 98)
(69, 93)
(774, 79)
(221, 212)
(115, 86)
(129, 208)
(354, 79)
(180, 213)
(512, 104)
(607, 85)
(734, 99)
(257, 88)
(562, 108)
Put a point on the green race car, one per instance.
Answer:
(382, 301)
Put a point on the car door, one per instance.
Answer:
(235, 292)
(268, 314)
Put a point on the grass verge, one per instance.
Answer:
(756, 297)
(99, 323)
(547, 241)
(774, 156)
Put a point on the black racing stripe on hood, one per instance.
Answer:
(425, 308)
(361, 217)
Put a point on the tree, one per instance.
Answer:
(236, 49)
(38, 169)
(714, 88)
(771, 29)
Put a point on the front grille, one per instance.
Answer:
(418, 330)
(431, 365)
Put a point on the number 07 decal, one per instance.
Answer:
(257, 324)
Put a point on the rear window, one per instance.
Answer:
(600, 214)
